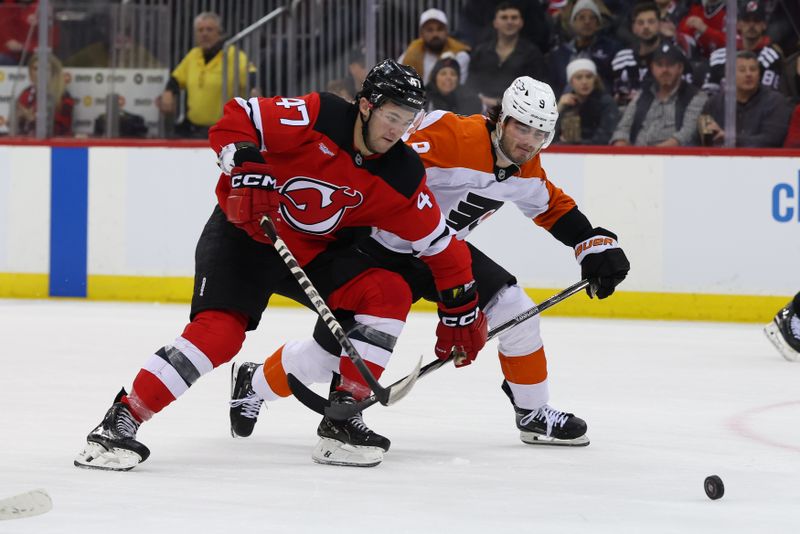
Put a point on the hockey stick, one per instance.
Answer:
(25, 505)
(385, 396)
(340, 411)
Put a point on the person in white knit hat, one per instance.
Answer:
(588, 114)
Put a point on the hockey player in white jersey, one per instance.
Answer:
(474, 165)
(784, 330)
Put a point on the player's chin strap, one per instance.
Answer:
(341, 411)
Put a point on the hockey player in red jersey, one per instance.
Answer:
(323, 170)
(474, 165)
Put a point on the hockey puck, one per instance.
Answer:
(714, 487)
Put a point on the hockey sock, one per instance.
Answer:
(211, 339)
(527, 377)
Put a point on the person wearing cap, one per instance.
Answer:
(445, 93)
(630, 66)
(433, 41)
(588, 114)
(585, 22)
(496, 63)
(762, 114)
(750, 35)
(665, 112)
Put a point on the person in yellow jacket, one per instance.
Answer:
(200, 74)
(434, 40)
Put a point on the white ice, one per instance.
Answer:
(667, 405)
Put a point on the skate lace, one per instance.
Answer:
(794, 324)
(250, 405)
(126, 425)
(551, 416)
(358, 422)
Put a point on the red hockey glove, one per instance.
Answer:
(602, 262)
(253, 195)
(462, 330)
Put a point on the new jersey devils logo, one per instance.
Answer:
(314, 206)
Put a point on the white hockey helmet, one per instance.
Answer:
(532, 103)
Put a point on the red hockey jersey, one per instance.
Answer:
(326, 185)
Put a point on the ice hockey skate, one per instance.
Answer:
(245, 404)
(548, 426)
(112, 445)
(349, 442)
(784, 333)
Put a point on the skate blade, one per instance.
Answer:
(332, 452)
(773, 333)
(95, 456)
(532, 438)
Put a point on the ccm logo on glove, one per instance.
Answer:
(460, 320)
(263, 181)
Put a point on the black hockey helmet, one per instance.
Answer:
(389, 80)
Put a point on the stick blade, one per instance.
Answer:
(400, 389)
(28, 504)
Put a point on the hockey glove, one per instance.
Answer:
(602, 262)
(462, 328)
(253, 194)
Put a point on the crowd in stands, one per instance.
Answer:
(626, 72)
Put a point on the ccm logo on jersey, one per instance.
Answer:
(593, 246)
(264, 181)
(314, 206)
(459, 320)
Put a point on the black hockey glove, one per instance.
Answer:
(602, 262)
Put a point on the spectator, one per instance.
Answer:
(588, 42)
(126, 52)
(665, 112)
(476, 16)
(59, 101)
(496, 63)
(762, 114)
(562, 20)
(793, 136)
(783, 27)
(356, 73)
(704, 26)
(17, 27)
(200, 74)
(670, 13)
(790, 80)
(587, 114)
(750, 29)
(630, 66)
(444, 91)
(434, 40)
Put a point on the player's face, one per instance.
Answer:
(387, 125)
(582, 82)
(747, 74)
(521, 142)
(645, 26)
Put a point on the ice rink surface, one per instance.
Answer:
(667, 404)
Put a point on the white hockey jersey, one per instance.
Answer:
(468, 186)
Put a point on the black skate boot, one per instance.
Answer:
(112, 444)
(245, 404)
(548, 426)
(784, 332)
(349, 442)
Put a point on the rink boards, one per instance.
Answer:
(709, 237)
